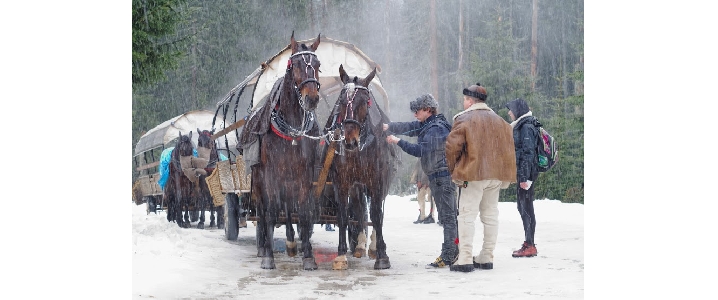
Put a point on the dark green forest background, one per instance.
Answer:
(187, 55)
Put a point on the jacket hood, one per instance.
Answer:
(518, 107)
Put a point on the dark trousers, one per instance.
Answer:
(444, 192)
(525, 204)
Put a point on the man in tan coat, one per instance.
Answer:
(482, 161)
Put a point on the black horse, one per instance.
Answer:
(364, 167)
(207, 148)
(182, 191)
(282, 179)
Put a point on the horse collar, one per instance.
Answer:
(286, 131)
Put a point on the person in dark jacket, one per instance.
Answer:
(525, 128)
(432, 130)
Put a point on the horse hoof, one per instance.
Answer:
(268, 263)
(340, 263)
(212, 224)
(200, 226)
(372, 254)
(382, 263)
(359, 253)
(220, 226)
(309, 263)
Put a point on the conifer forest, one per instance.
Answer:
(188, 54)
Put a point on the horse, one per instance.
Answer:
(282, 178)
(182, 190)
(364, 167)
(207, 148)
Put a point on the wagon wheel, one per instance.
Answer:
(231, 222)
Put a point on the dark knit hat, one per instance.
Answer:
(423, 101)
(477, 91)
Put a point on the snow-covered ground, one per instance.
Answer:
(169, 262)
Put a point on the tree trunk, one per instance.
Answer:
(461, 36)
(434, 51)
(534, 42)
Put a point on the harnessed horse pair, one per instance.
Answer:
(283, 175)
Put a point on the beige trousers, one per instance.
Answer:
(478, 198)
(422, 196)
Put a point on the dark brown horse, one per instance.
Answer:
(282, 180)
(206, 147)
(364, 167)
(182, 192)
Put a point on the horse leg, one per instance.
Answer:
(377, 217)
(202, 202)
(291, 244)
(269, 218)
(340, 262)
(358, 234)
(211, 212)
(306, 222)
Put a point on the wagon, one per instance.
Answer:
(250, 93)
(148, 150)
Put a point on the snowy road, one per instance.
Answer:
(172, 263)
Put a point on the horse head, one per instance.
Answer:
(184, 144)
(303, 67)
(204, 139)
(353, 107)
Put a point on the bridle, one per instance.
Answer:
(310, 78)
(350, 91)
(282, 128)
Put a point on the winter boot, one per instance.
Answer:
(429, 220)
(525, 251)
(419, 220)
(484, 266)
(462, 268)
(438, 263)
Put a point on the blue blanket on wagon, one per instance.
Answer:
(165, 164)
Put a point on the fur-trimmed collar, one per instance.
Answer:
(519, 119)
(475, 106)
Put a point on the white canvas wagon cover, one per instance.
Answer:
(331, 53)
(184, 123)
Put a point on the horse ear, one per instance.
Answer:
(343, 74)
(369, 78)
(199, 131)
(293, 44)
(316, 43)
(190, 134)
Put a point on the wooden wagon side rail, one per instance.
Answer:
(152, 165)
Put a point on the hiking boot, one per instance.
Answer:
(429, 220)
(328, 227)
(525, 251)
(484, 266)
(438, 263)
(462, 268)
(418, 220)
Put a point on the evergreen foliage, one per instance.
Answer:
(155, 48)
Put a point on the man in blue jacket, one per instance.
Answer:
(432, 130)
